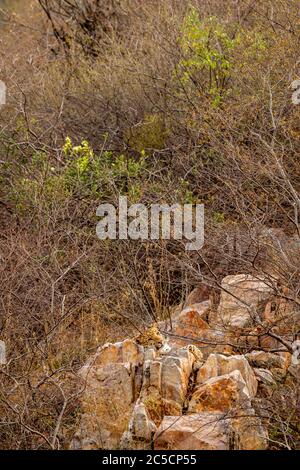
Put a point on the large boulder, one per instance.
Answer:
(218, 364)
(191, 323)
(111, 353)
(202, 431)
(243, 300)
(199, 295)
(222, 393)
(112, 380)
(190, 326)
(176, 372)
(107, 406)
(135, 395)
(141, 426)
(248, 430)
(213, 430)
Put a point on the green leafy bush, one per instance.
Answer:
(210, 50)
(97, 175)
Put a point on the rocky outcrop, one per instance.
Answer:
(112, 383)
(265, 376)
(243, 299)
(211, 431)
(131, 404)
(194, 392)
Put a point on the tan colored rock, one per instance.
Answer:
(253, 337)
(122, 352)
(248, 431)
(112, 382)
(176, 372)
(201, 309)
(199, 334)
(189, 324)
(157, 407)
(221, 394)
(155, 374)
(220, 342)
(133, 391)
(198, 295)
(212, 431)
(106, 405)
(218, 364)
(188, 356)
(243, 300)
(265, 360)
(132, 352)
(203, 431)
(165, 383)
(141, 426)
(151, 375)
(265, 376)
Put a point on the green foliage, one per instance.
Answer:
(94, 175)
(205, 46)
(255, 44)
(212, 51)
(84, 175)
(83, 169)
(128, 167)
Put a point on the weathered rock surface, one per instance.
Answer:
(141, 426)
(191, 323)
(265, 376)
(106, 406)
(191, 326)
(122, 352)
(222, 393)
(243, 300)
(211, 431)
(128, 404)
(203, 431)
(262, 359)
(249, 433)
(218, 364)
(198, 295)
(165, 384)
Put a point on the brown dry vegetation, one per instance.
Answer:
(165, 121)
